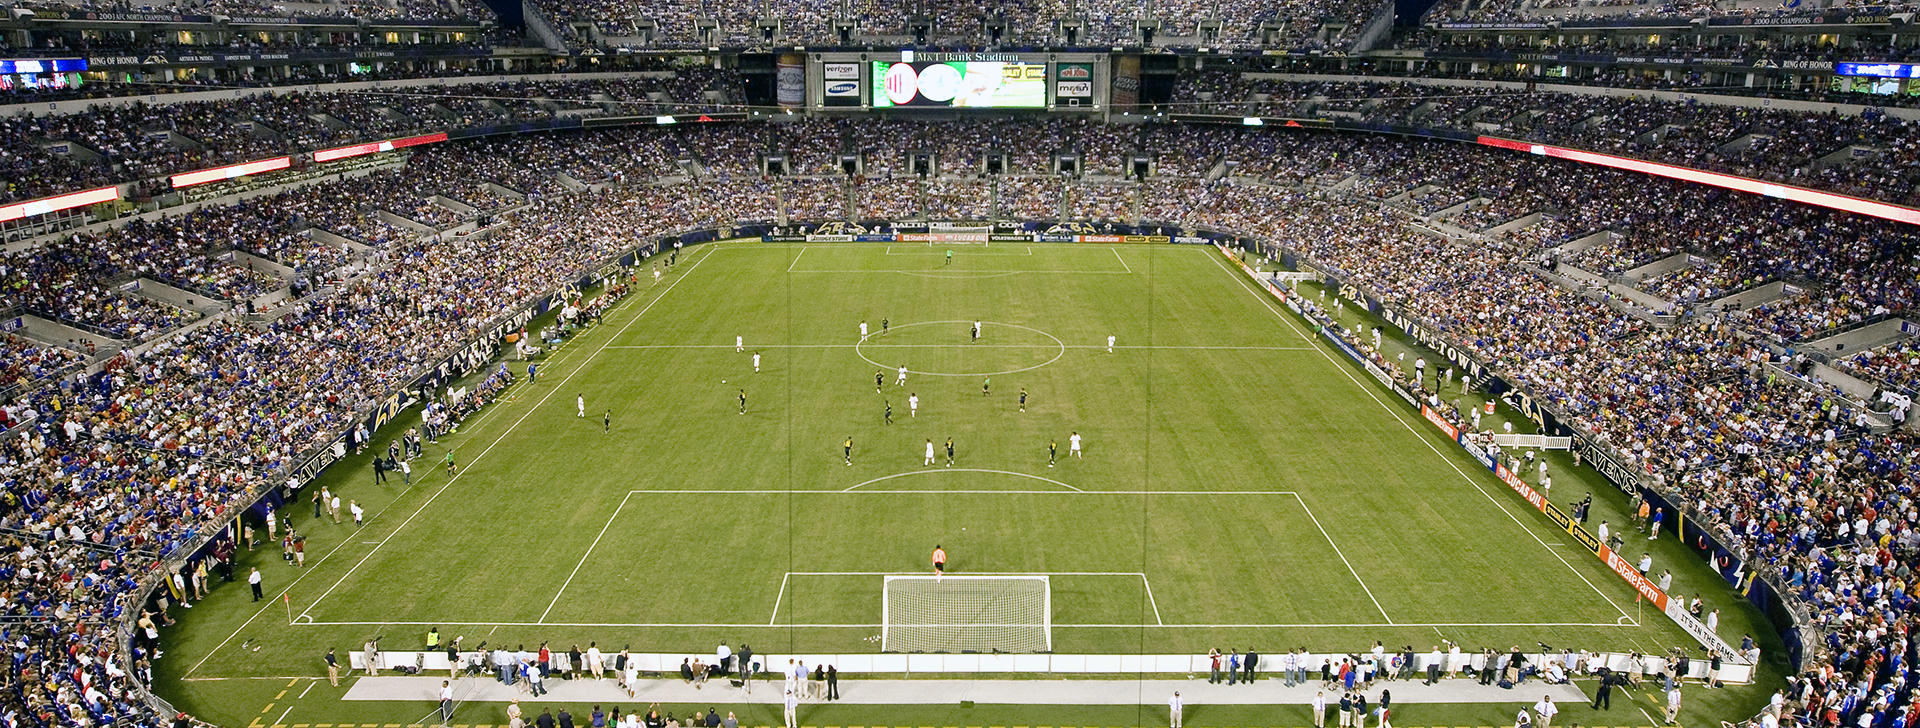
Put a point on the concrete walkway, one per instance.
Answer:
(946, 692)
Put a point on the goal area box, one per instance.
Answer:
(966, 614)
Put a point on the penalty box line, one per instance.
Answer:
(774, 621)
(1070, 491)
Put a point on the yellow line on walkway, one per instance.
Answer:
(268, 708)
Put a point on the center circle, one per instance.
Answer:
(955, 347)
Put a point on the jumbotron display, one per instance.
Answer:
(971, 84)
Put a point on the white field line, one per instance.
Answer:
(1029, 251)
(775, 619)
(1123, 261)
(959, 470)
(796, 259)
(961, 346)
(968, 273)
(509, 431)
(1343, 558)
(1157, 621)
(583, 557)
(1262, 297)
(772, 621)
(1056, 625)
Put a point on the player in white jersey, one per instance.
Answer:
(1109, 343)
(581, 403)
(863, 331)
(756, 362)
(739, 344)
(1073, 444)
(929, 460)
(901, 380)
(913, 405)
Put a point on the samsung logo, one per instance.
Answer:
(841, 88)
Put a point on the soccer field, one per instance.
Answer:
(1239, 485)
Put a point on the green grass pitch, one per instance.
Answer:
(1241, 485)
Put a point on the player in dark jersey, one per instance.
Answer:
(949, 452)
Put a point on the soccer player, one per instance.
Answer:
(739, 344)
(939, 560)
(929, 460)
(656, 273)
(359, 514)
(889, 419)
(863, 331)
(1073, 444)
(878, 380)
(949, 452)
(986, 387)
(848, 446)
(606, 423)
(883, 326)
(743, 401)
(452, 470)
(949, 256)
(976, 331)
(756, 362)
(1023, 399)
(901, 380)
(1109, 343)
(580, 401)
(1053, 451)
(913, 405)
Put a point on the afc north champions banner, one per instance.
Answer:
(790, 80)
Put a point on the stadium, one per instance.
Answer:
(814, 364)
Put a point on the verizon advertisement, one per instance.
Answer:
(840, 71)
(328, 155)
(1883, 210)
(45, 205)
(225, 173)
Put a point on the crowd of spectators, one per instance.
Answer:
(1773, 144)
(143, 141)
(1305, 24)
(369, 9)
(165, 442)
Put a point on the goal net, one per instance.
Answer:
(966, 614)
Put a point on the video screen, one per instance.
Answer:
(970, 84)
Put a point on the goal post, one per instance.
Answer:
(968, 613)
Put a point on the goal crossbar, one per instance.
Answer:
(971, 613)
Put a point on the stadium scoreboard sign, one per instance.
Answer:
(1878, 70)
(915, 80)
(968, 84)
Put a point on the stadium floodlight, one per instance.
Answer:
(970, 613)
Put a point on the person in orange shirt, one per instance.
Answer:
(939, 560)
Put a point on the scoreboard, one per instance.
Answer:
(933, 80)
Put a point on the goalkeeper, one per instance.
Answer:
(939, 560)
